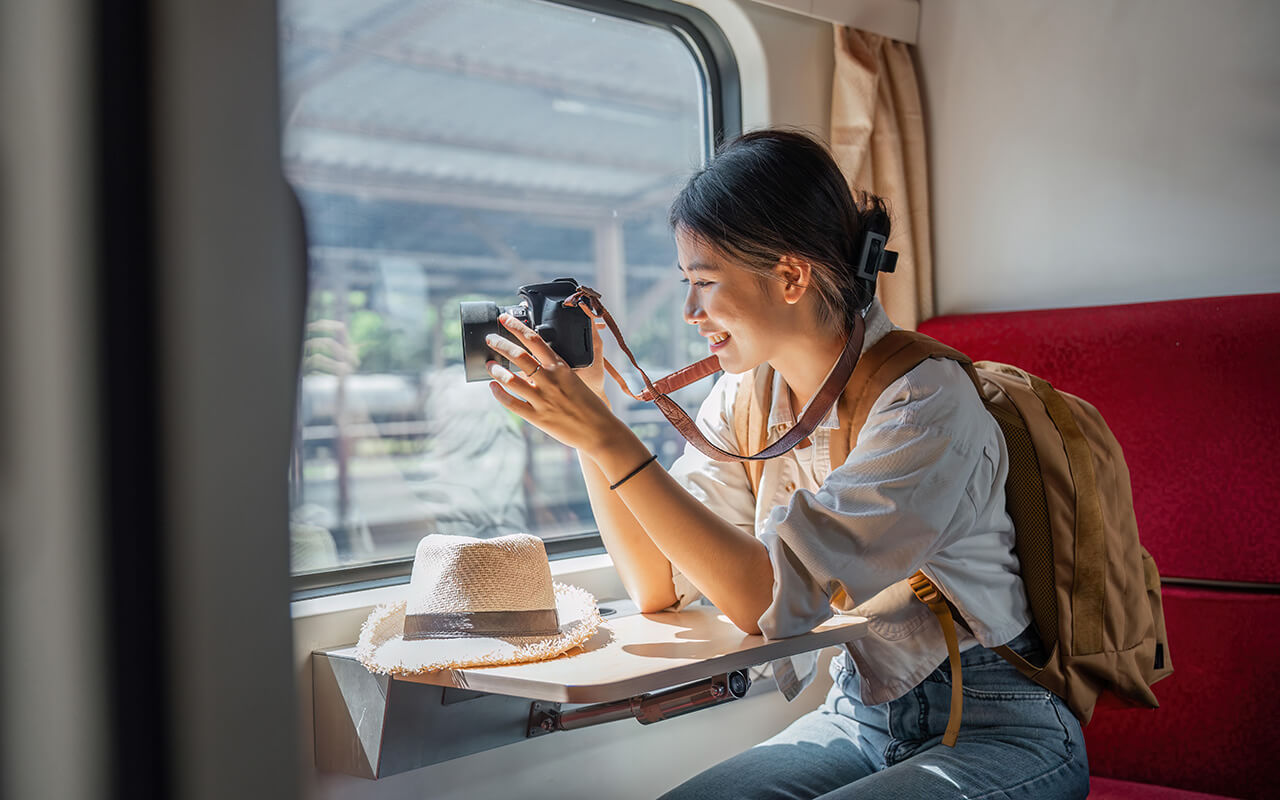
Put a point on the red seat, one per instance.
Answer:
(1213, 730)
(1191, 389)
(1111, 789)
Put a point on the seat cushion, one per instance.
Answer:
(1214, 729)
(1111, 789)
(1191, 392)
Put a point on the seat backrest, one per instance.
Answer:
(1191, 389)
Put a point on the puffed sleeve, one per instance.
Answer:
(894, 502)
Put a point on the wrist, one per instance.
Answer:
(614, 486)
(617, 450)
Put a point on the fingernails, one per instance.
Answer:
(492, 338)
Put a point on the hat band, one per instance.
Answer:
(450, 625)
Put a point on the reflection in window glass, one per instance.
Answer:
(450, 150)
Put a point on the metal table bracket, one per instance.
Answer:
(646, 708)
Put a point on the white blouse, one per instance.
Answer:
(922, 489)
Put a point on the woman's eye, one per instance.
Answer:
(699, 284)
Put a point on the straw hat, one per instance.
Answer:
(476, 603)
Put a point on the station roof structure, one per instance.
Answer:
(485, 138)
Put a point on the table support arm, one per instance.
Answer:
(647, 708)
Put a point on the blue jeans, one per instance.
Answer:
(1016, 741)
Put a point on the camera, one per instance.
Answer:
(567, 329)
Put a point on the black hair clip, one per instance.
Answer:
(875, 258)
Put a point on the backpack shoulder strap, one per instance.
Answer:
(897, 353)
(751, 419)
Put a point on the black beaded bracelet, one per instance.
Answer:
(633, 472)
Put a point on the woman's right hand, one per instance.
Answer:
(552, 396)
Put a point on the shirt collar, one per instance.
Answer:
(780, 414)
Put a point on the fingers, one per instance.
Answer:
(515, 353)
(328, 349)
(333, 348)
(518, 385)
(330, 327)
(531, 340)
(512, 403)
(320, 364)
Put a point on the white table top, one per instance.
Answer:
(641, 653)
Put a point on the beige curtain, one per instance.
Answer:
(877, 138)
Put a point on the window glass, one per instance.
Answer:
(451, 150)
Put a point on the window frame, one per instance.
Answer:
(714, 57)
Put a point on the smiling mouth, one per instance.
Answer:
(717, 338)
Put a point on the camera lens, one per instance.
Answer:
(479, 319)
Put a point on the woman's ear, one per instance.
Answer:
(795, 274)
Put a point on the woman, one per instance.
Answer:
(766, 237)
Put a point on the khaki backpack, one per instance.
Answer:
(1093, 589)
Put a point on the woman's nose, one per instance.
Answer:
(692, 310)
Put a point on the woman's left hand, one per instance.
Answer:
(548, 393)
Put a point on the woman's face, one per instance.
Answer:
(742, 315)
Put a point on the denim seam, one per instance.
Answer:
(923, 698)
(982, 663)
(890, 754)
(1066, 732)
(983, 694)
(1066, 763)
(981, 657)
(943, 676)
(894, 744)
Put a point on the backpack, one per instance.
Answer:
(1093, 589)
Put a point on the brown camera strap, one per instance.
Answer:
(588, 300)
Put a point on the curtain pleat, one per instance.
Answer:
(877, 138)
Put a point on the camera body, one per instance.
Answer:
(566, 329)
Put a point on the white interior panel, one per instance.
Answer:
(1101, 152)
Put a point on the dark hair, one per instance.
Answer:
(774, 193)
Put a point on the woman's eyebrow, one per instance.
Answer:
(699, 266)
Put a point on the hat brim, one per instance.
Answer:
(382, 647)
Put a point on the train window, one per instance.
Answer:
(452, 150)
